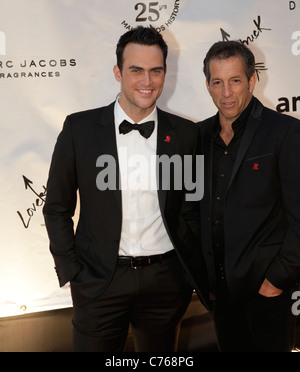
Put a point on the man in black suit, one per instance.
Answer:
(125, 262)
(251, 209)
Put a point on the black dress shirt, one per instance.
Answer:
(224, 157)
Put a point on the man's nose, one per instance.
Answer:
(147, 80)
(227, 91)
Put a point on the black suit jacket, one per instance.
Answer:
(262, 205)
(91, 254)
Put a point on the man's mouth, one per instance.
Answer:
(229, 104)
(145, 92)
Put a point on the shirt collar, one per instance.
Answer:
(120, 115)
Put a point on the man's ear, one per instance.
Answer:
(208, 87)
(252, 83)
(117, 73)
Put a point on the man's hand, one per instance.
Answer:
(268, 290)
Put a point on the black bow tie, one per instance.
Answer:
(145, 129)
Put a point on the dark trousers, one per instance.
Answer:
(260, 324)
(152, 299)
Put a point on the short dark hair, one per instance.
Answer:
(227, 49)
(143, 36)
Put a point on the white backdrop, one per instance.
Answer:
(56, 57)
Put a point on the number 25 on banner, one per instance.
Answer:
(153, 10)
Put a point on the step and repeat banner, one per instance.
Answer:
(57, 57)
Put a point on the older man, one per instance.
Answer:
(251, 208)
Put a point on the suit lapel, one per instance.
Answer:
(166, 135)
(106, 133)
(106, 138)
(208, 145)
(250, 130)
(166, 145)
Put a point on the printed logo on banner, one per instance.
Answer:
(294, 5)
(286, 105)
(257, 32)
(160, 14)
(28, 67)
(2, 43)
(34, 68)
(39, 199)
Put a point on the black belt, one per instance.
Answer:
(137, 263)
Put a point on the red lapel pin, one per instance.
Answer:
(255, 166)
(168, 139)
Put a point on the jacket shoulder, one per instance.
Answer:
(276, 124)
(179, 120)
(90, 115)
(185, 127)
(278, 117)
(207, 124)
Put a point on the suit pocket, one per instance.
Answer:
(259, 180)
(260, 157)
(261, 165)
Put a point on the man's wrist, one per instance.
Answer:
(269, 290)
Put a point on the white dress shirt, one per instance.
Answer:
(143, 231)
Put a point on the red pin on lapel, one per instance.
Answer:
(256, 166)
(168, 139)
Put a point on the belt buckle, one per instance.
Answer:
(135, 266)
